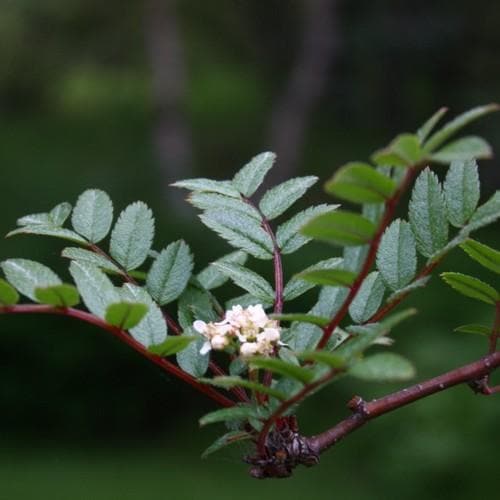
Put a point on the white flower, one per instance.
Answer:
(219, 342)
(206, 347)
(257, 315)
(200, 326)
(249, 349)
(270, 335)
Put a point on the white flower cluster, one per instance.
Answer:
(249, 331)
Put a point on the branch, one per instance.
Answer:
(163, 363)
(364, 411)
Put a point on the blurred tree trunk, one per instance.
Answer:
(308, 78)
(171, 134)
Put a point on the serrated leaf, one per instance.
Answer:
(471, 287)
(298, 286)
(215, 201)
(354, 257)
(240, 231)
(302, 318)
(461, 191)
(228, 382)
(368, 298)
(8, 294)
(463, 149)
(327, 358)
(83, 255)
(60, 213)
(397, 255)
(248, 280)
(427, 213)
(280, 198)
(95, 287)
(383, 367)
(280, 367)
(211, 277)
(42, 219)
(93, 215)
(152, 330)
(208, 186)
(172, 345)
(27, 275)
(456, 124)
(170, 273)
(414, 285)
(329, 277)
(195, 303)
(226, 440)
(58, 232)
(360, 183)
(63, 295)
(125, 315)
(474, 328)
(189, 359)
(424, 131)
(251, 176)
(132, 235)
(486, 214)
(485, 255)
(239, 412)
(340, 228)
(287, 235)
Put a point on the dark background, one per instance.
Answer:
(129, 96)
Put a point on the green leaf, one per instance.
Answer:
(485, 255)
(456, 124)
(461, 191)
(8, 294)
(302, 318)
(298, 286)
(360, 183)
(26, 275)
(226, 440)
(414, 285)
(471, 287)
(195, 303)
(215, 201)
(329, 277)
(486, 214)
(424, 131)
(280, 367)
(474, 328)
(95, 287)
(368, 298)
(40, 219)
(427, 213)
(287, 235)
(327, 358)
(278, 199)
(132, 235)
(397, 255)
(383, 367)
(125, 315)
(211, 277)
(83, 255)
(152, 330)
(58, 232)
(403, 151)
(189, 359)
(251, 176)
(354, 257)
(340, 228)
(172, 345)
(209, 186)
(463, 149)
(60, 213)
(170, 273)
(248, 280)
(228, 382)
(239, 412)
(93, 215)
(240, 231)
(63, 295)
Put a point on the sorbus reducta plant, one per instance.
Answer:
(270, 359)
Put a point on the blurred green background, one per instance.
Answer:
(129, 96)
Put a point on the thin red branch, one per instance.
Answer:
(163, 363)
(495, 332)
(390, 209)
(364, 411)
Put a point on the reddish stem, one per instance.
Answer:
(123, 336)
(495, 332)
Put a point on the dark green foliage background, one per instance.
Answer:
(82, 416)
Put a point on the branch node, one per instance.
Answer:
(358, 405)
